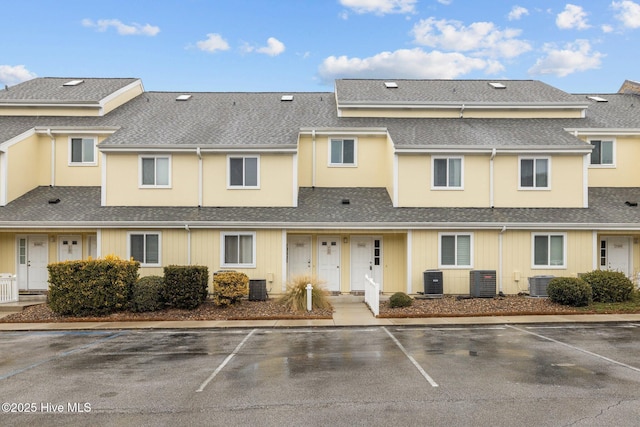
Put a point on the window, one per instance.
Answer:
(549, 250)
(343, 152)
(534, 173)
(602, 153)
(155, 171)
(238, 249)
(244, 172)
(447, 172)
(455, 250)
(145, 248)
(82, 151)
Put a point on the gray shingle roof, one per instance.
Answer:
(449, 91)
(319, 207)
(51, 90)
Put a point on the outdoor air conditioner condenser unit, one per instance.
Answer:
(538, 285)
(482, 283)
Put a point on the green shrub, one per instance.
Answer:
(570, 291)
(229, 287)
(146, 294)
(91, 287)
(609, 286)
(295, 297)
(400, 299)
(185, 286)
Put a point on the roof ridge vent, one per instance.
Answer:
(497, 85)
(73, 83)
(391, 85)
(286, 98)
(184, 97)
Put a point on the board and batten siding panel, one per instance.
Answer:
(394, 259)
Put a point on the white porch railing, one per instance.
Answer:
(8, 288)
(372, 295)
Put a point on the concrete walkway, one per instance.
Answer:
(348, 311)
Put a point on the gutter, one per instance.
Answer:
(53, 158)
(200, 177)
(491, 178)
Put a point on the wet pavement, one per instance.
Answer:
(498, 375)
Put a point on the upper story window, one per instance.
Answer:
(342, 152)
(549, 250)
(244, 171)
(456, 250)
(535, 173)
(447, 172)
(145, 248)
(82, 151)
(602, 153)
(155, 171)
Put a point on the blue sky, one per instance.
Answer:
(586, 46)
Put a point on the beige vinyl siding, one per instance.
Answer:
(75, 175)
(93, 111)
(394, 258)
(123, 98)
(29, 166)
(625, 172)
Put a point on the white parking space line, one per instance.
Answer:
(599, 356)
(416, 364)
(225, 361)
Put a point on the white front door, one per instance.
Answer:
(329, 262)
(33, 256)
(618, 255)
(69, 248)
(299, 256)
(366, 259)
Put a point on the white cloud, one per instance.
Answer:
(12, 75)
(445, 2)
(573, 17)
(133, 29)
(517, 12)
(213, 43)
(561, 62)
(479, 38)
(274, 47)
(380, 7)
(405, 63)
(606, 28)
(629, 13)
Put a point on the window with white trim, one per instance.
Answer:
(244, 171)
(535, 173)
(155, 171)
(238, 249)
(603, 152)
(82, 151)
(456, 250)
(145, 248)
(342, 152)
(447, 172)
(549, 250)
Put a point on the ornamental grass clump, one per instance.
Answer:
(295, 298)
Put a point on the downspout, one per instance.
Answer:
(504, 228)
(491, 190)
(199, 154)
(313, 158)
(186, 227)
(53, 158)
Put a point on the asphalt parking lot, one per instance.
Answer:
(500, 375)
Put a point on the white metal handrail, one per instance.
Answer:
(372, 295)
(8, 288)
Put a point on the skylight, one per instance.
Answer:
(286, 98)
(73, 83)
(597, 98)
(391, 85)
(183, 97)
(497, 85)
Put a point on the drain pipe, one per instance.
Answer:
(188, 230)
(313, 158)
(53, 158)
(199, 154)
(491, 190)
(504, 228)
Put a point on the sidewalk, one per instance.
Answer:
(348, 311)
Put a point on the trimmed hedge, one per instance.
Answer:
(146, 294)
(229, 287)
(91, 287)
(185, 286)
(570, 291)
(609, 286)
(400, 299)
